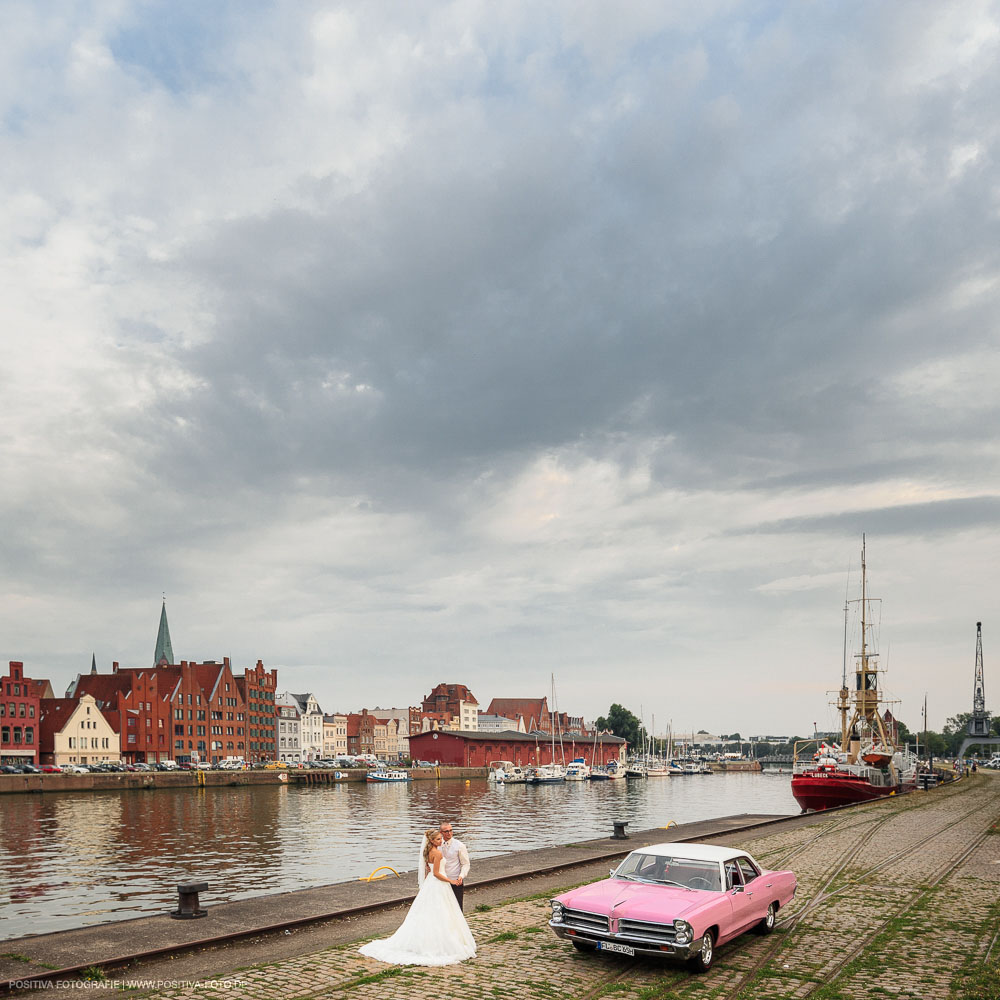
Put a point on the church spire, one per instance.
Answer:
(164, 651)
(93, 663)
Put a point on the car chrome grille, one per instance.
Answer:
(643, 930)
(584, 921)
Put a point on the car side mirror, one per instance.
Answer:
(612, 872)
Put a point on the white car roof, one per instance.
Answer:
(695, 852)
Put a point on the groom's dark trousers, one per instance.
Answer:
(459, 891)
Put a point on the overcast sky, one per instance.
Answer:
(478, 342)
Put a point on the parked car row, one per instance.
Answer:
(336, 762)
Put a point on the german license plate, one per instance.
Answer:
(621, 949)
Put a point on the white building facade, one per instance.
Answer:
(289, 734)
(310, 723)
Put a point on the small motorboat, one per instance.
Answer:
(380, 777)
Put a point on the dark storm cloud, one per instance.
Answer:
(941, 517)
(716, 266)
(383, 330)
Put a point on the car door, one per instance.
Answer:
(754, 888)
(743, 904)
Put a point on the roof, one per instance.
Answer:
(164, 652)
(301, 701)
(513, 707)
(452, 692)
(509, 736)
(694, 852)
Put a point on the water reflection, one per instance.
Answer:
(72, 859)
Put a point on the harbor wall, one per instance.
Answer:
(151, 780)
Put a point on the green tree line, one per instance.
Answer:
(626, 724)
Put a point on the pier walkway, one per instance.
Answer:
(897, 898)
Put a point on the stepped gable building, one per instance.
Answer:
(361, 732)
(258, 688)
(20, 714)
(456, 699)
(184, 711)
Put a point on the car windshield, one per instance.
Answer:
(684, 872)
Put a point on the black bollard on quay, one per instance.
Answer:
(620, 833)
(187, 901)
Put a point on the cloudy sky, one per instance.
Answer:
(477, 342)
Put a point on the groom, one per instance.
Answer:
(456, 860)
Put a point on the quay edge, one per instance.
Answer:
(117, 944)
(150, 780)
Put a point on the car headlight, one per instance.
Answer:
(557, 909)
(682, 931)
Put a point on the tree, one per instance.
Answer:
(621, 722)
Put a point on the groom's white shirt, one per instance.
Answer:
(456, 858)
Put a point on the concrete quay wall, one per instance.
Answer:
(896, 896)
(151, 780)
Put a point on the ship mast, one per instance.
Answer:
(866, 697)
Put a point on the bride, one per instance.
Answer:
(434, 931)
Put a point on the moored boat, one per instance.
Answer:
(867, 765)
(547, 774)
(577, 770)
(506, 772)
(384, 777)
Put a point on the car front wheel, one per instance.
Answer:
(702, 960)
(766, 924)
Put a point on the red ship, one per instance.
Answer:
(867, 765)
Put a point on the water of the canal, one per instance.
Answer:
(72, 859)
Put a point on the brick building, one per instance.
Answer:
(457, 700)
(475, 749)
(257, 687)
(20, 715)
(361, 732)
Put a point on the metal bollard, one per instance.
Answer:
(620, 833)
(187, 901)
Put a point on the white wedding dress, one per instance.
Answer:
(434, 931)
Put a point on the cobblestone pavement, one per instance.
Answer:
(873, 917)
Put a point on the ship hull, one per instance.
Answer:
(819, 791)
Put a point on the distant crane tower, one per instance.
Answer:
(979, 725)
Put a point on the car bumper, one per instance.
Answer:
(641, 946)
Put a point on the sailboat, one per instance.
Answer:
(551, 773)
(869, 765)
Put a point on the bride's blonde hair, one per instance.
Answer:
(429, 836)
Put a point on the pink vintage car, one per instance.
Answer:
(673, 900)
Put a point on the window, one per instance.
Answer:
(23, 710)
(29, 734)
(31, 711)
